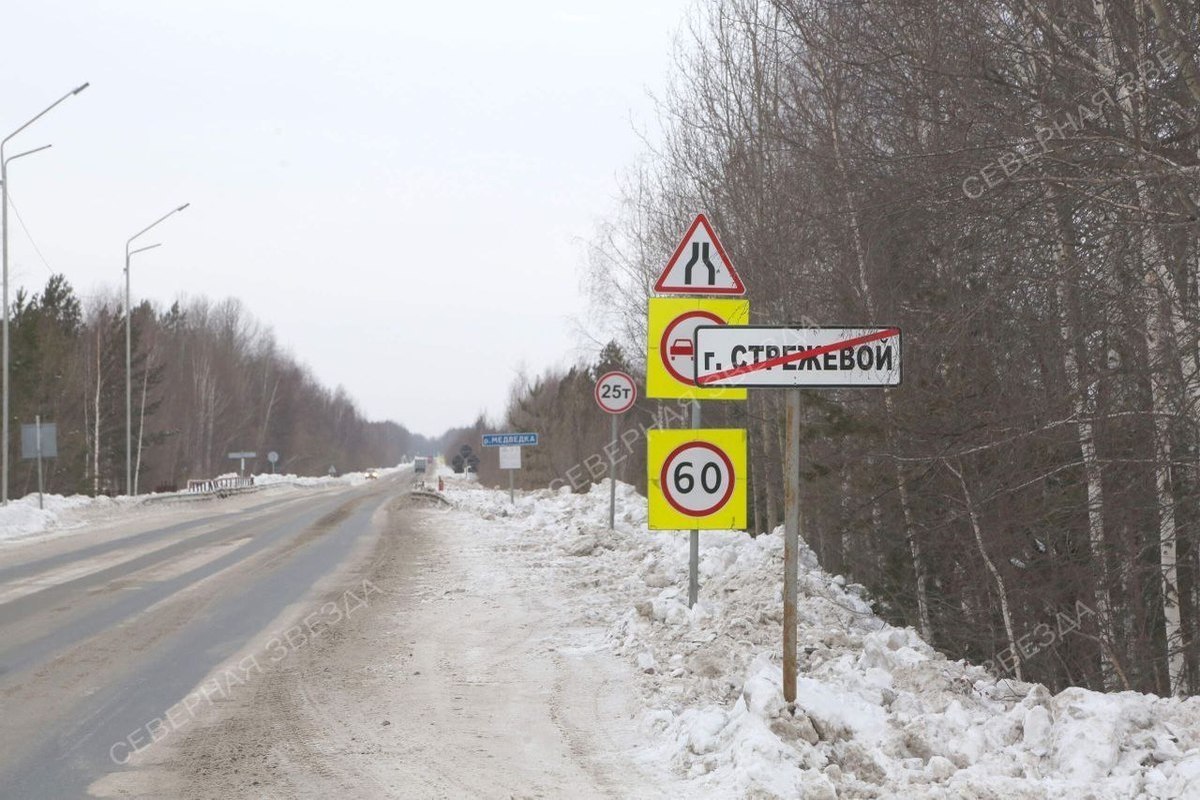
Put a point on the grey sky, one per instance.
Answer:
(400, 189)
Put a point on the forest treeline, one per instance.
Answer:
(1015, 185)
(207, 380)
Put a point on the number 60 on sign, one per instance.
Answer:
(697, 479)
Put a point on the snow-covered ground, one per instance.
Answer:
(880, 713)
(348, 479)
(22, 517)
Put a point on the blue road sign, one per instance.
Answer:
(509, 439)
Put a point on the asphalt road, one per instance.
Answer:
(103, 631)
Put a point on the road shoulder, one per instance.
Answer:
(436, 668)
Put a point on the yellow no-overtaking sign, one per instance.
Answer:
(671, 344)
(697, 479)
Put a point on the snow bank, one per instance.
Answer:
(880, 714)
(22, 517)
(347, 479)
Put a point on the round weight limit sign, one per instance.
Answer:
(697, 479)
(616, 392)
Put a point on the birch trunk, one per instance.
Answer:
(1166, 332)
(1157, 344)
(1001, 590)
(1084, 407)
(925, 622)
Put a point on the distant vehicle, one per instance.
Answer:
(372, 475)
(419, 466)
(682, 347)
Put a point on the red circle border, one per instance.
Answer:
(662, 479)
(662, 343)
(632, 384)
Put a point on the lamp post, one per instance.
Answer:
(129, 348)
(138, 462)
(4, 299)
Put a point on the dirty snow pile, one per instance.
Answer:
(879, 714)
(22, 517)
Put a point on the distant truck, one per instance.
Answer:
(419, 466)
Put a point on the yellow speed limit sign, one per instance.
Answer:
(697, 479)
(671, 351)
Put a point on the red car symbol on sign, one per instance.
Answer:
(682, 347)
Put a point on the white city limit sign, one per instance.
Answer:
(768, 356)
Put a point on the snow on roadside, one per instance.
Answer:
(22, 518)
(880, 713)
(346, 479)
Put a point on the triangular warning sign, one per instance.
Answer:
(699, 265)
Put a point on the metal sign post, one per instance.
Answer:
(615, 393)
(39, 441)
(791, 541)
(37, 423)
(694, 539)
(612, 475)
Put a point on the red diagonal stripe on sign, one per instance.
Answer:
(800, 356)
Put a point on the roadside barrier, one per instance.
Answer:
(220, 486)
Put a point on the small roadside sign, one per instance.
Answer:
(48, 443)
(767, 356)
(509, 439)
(241, 459)
(510, 452)
(616, 392)
(670, 357)
(699, 265)
(39, 441)
(510, 457)
(697, 479)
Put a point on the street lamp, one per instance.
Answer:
(139, 442)
(4, 258)
(129, 349)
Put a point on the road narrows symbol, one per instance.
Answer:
(701, 247)
(700, 252)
